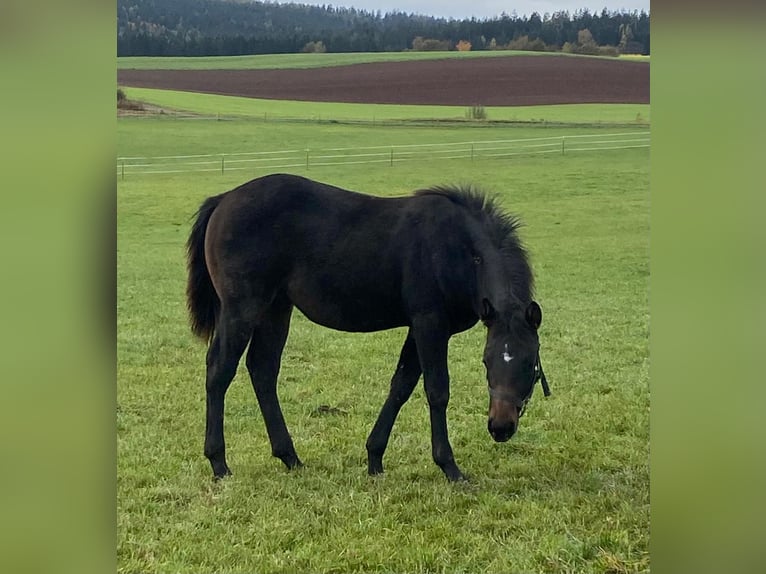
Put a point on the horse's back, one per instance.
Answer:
(297, 214)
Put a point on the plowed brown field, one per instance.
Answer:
(498, 81)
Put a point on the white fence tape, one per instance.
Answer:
(271, 160)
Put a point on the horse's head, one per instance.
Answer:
(512, 359)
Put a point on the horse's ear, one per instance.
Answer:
(534, 315)
(487, 311)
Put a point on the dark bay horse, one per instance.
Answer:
(435, 262)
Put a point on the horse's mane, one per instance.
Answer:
(500, 226)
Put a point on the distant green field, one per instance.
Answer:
(137, 138)
(214, 105)
(635, 57)
(274, 61)
(569, 493)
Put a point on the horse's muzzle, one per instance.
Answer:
(501, 433)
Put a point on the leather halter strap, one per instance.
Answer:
(521, 404)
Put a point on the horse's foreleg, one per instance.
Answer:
(432, 341)
(223, 356)
(263, 361)
(402, 384)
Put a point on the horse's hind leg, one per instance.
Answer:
(263, 361)
(226, 348)
(402, 384)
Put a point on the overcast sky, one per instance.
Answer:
(485, 8)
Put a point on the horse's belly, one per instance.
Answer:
(348, 310)
(350, 318)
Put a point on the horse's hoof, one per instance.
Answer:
(374, 468)
(295, 464)
(220, 477)
(453, 474)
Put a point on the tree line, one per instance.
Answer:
(239, 27)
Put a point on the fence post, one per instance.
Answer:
(123, 169)
(562, 144)
(307, 158)
(471, 151)
(392, 155)
(222, 156)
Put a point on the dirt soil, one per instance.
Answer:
(498, 81)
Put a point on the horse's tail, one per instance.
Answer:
(201, 298)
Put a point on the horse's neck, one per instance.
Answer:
(494, 283)
(498, 280)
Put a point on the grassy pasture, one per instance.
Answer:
(214, 105)
(281, 61)
(569, 493)
(138, 137)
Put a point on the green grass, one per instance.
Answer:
(215, 105)
(635, 57)
(137, 137)
(569, 493)
(275, 61)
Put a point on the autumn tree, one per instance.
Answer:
(585, 39)
(314, 47)
(421, 44)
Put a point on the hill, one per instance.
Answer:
(238, 27)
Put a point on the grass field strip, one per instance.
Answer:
(287, 61)
(280, 159)
(448, 115)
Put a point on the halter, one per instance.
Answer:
(521, 404)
